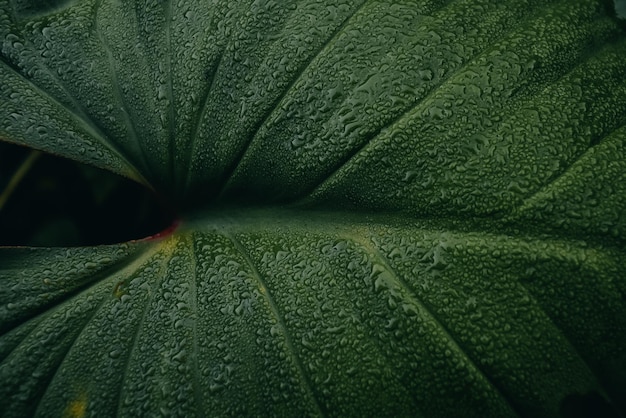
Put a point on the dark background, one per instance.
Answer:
(63, 203)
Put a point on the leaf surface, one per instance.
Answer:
(408, 208)
(265, 313)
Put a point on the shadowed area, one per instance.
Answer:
(58, 202)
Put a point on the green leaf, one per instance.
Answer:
(272, 313)
(408, 208)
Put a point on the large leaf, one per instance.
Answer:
(270, 313)
(454, 246)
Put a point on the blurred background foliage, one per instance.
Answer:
(51, 201)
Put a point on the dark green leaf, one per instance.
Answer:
(454, 173)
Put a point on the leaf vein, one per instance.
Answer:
(130, 124)
(64, 356)
(169, 21)
(296, 77)
(429, 312)
(76, 113)
(279, 321)
(99, 276)
(371, 138)
(594, 143)
(135, 338)
(204, 103)
(193, 302)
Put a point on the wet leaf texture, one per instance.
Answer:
(429, 107)
(456, 172)
(312, 317)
